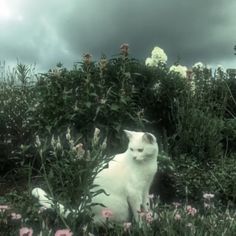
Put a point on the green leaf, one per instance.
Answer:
(114, 107)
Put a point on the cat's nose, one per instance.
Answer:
(135, 158)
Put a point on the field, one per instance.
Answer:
(47, 124)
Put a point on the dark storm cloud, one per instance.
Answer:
(53, 31)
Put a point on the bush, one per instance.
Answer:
(16, 99)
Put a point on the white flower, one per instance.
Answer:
(53, 141)
(198, 66)
(58, 145)
(220, 67)
(79, 148)
(193, 86)
(37, 141)
(68, 136)
(181, 70)
(208, 196)
(96, 136)
(150, 62)
(159, 55)
(157, 86)
(220, 72)
(104, 144)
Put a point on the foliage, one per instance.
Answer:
(207, 218)
(41, 124)
(15, 100)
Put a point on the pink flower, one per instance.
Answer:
(177, 216)
(127, 226)
(3, 208)
(146, 215)
(15, 216)
(63, 232)
(149, 217)
(26, 231)
(107, 213)
(191, 210)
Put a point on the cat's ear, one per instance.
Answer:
(128, 133)
(149, 138)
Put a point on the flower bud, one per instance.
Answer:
(96, 136)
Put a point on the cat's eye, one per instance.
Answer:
(131, 149)
(140, 150)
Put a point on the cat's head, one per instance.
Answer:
(142, 145)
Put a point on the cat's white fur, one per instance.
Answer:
(126, 181)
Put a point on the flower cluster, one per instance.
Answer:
(146, 216)
(191, 210)
(181, 70)
(158, 57)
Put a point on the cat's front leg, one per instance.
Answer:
(146, 202)
(135, 203)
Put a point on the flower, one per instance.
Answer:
(103, 63)
(3, 208)
(68, 135)
(208, 196)
(26, 231)
(53, 141)
(177, 216)
(159, 55)
(58, 144)
(149, 217)
(181, 70)
(79, 148)
(37, 141)
(191, 210)
(127, 226)
(15, 216)
(219, 72)
(150, 62)
(87, 58)
(198, 66)
(96, 136)
(124, 49)
(190, 225)
(176, 204)
(151, 196)
(104, 144)
(63, 232)
(107, 213)
(146, 215)
(55, 72)
(207, 205)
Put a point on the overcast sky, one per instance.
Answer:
(49, 31)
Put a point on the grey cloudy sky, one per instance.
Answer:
(49, 31)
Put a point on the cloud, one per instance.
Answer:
(46, 32)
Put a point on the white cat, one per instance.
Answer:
(127, 181)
